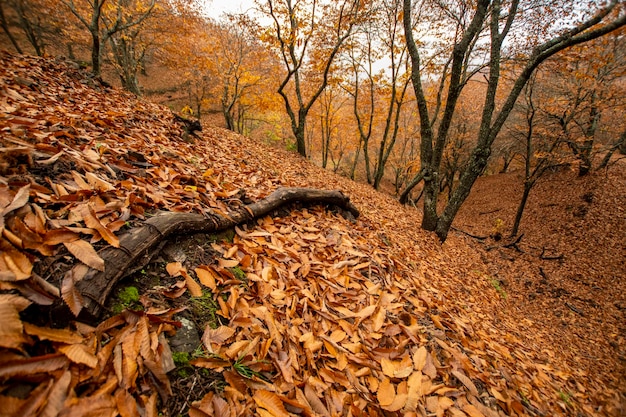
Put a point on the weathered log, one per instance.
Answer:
(137, 245)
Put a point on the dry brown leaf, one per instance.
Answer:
(92, 221)
(192, 285)
(206, 277)
(15, 261)
(414, 387)
(19, 200)
(386, 393)
(419, 358)
(56, 236)
(126, 404)
(85, 253)
(55, 335)
(11, 330)
(472, 411)
(56, 398)
(217, 336)
(466, 381)
(270, 402)
(69, 292)
(174, 268)
(79, 353)
(44, 364)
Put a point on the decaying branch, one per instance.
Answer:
(138, 244)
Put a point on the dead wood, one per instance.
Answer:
(545, 257)
(137, 245)
(481, 238)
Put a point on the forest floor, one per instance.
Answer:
(306, 311)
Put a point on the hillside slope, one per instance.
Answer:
(330, 317)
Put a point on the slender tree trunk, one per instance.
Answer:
(5, 28)
(520, 208)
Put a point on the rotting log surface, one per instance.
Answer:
(136, 245)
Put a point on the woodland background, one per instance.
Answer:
(333, 81)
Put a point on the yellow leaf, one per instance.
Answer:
(419, 358)
(192, 285)
(386, 393)
(414, 391)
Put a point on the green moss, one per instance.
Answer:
(239, 274)
(204, 309)
(127, 298)
(181, 358)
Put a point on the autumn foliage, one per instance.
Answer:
(333, 317)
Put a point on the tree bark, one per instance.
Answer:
(137, 244)
(5, 27)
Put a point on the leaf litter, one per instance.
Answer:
(371, 317)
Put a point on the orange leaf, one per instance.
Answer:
(79, 353)
(92, 221)
(206, 277)
(85, 253)
(174, 268)
(386, 393)
(217, 336)
(192, 285)
(270, 402)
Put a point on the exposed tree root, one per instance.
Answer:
(137, 245)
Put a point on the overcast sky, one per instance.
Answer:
(215, 8)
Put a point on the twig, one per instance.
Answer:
(482, 213)
(514, 244)
(550, 258)
(469, 234)
(574, 309)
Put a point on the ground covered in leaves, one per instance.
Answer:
(302, 312)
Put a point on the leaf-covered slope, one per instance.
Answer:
(333, 317)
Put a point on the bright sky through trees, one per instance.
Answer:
(216, 8)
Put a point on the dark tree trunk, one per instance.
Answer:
(5, 27)
(528, 185)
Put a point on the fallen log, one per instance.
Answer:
(137, 245)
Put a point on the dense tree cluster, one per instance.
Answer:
(419, 97)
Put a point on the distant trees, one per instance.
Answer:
(477, 45)
(307, 35)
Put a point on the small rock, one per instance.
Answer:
(186, 338)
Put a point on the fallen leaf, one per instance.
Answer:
(85, 253)
(270, 402)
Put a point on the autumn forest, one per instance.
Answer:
(351, 207)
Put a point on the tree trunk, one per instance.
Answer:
(5, 27)
(528, 185)
(95, 52)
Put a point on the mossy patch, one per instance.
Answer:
(127, 298)
(239, 274)
(224, 236)
(204, 310)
